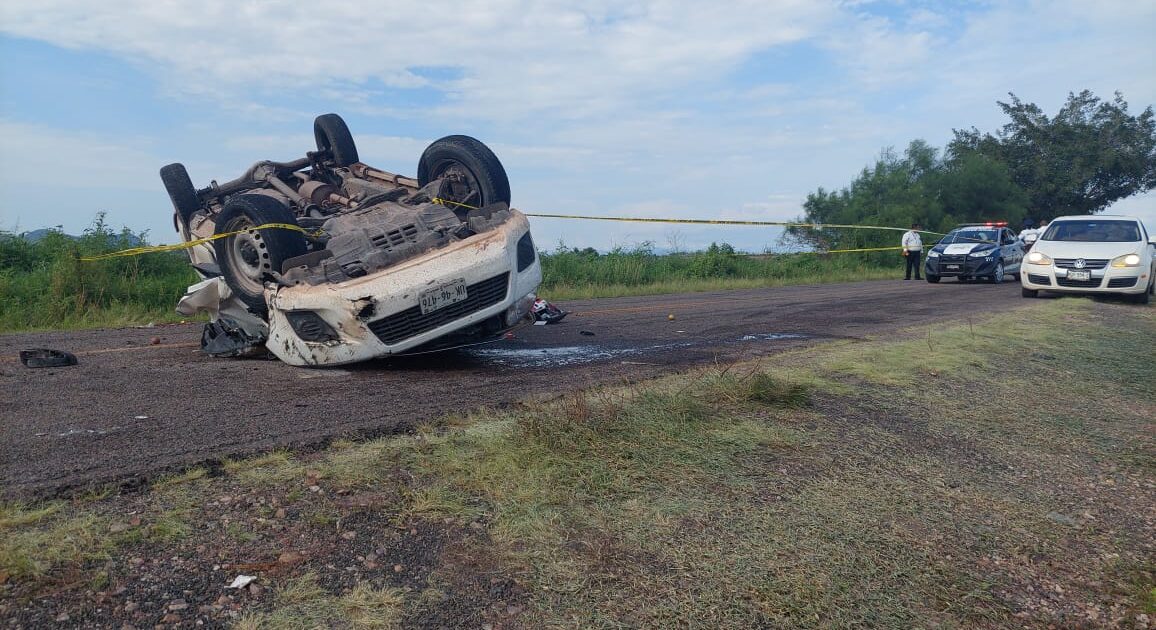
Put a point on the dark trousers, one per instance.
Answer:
(912, 263)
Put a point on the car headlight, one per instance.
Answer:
(1039, 258)
(933, 254)
(1127, 260)
(982, 254)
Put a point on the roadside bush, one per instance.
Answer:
(45, 284)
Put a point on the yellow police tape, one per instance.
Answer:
(137, 251)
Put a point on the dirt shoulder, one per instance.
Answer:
(991, 474)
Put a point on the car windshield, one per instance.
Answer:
(969, 236)
(1093, 231)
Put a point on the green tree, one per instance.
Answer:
(973, 188)
(893, 192)
(1091, 154)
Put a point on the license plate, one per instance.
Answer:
(442, 296)
(1076, 274)
(951, 267)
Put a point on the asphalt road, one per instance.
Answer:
(131, 409)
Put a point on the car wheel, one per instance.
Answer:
(333, 135)
(476, 176)
(1029, 293)
(1143, 298)
(248, 256)
(181, 190)
(933, 279)
(999, 275)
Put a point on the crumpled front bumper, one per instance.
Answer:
(380, 314)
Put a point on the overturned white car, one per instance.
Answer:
(324, 260)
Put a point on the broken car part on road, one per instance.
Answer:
(325, 260)
(45, 357)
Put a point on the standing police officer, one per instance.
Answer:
(912, 249)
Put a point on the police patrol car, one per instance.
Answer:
(975, 251)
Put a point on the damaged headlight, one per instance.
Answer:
(526, 253)
(310, 327)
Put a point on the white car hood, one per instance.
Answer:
(956, 249)
(1074, 249)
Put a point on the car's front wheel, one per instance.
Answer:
(247, 255)
(1145, 297)
(1029, 293)
(999, 275)
(933, 279)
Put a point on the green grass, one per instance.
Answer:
(302, 604)
(46, 285)
(572, 274)
(37, 540)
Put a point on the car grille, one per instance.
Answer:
(1038, 279)
(1094, 283)
(1121, 283)
(1089, 263)
(410, 322)
(954, 260)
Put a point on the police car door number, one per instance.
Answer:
(442, 296)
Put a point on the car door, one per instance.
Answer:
(1011, 250)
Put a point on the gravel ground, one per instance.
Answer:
(143, 401)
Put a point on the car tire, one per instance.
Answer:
(181, 190)
(469, 162)
(933, 279)
(1029, 293)
(999, 276)
(246, 258)
(1143, 298)
(333, 135)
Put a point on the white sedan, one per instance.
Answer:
(1092, 254)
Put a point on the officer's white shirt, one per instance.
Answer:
(911, 241)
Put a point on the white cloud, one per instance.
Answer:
(576, 61)
(46, 159)
(605, 107)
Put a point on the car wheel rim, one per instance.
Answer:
(464, 186)
(998, 273)
(248, 257)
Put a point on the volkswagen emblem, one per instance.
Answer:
(1080, 263)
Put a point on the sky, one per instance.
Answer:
(644, 108)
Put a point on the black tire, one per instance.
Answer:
(246, 258)
(999, 276)
(1029, 293)
(181, 190)
(333, 135)
(470, 163)
(933, 279)
(1142, 298)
